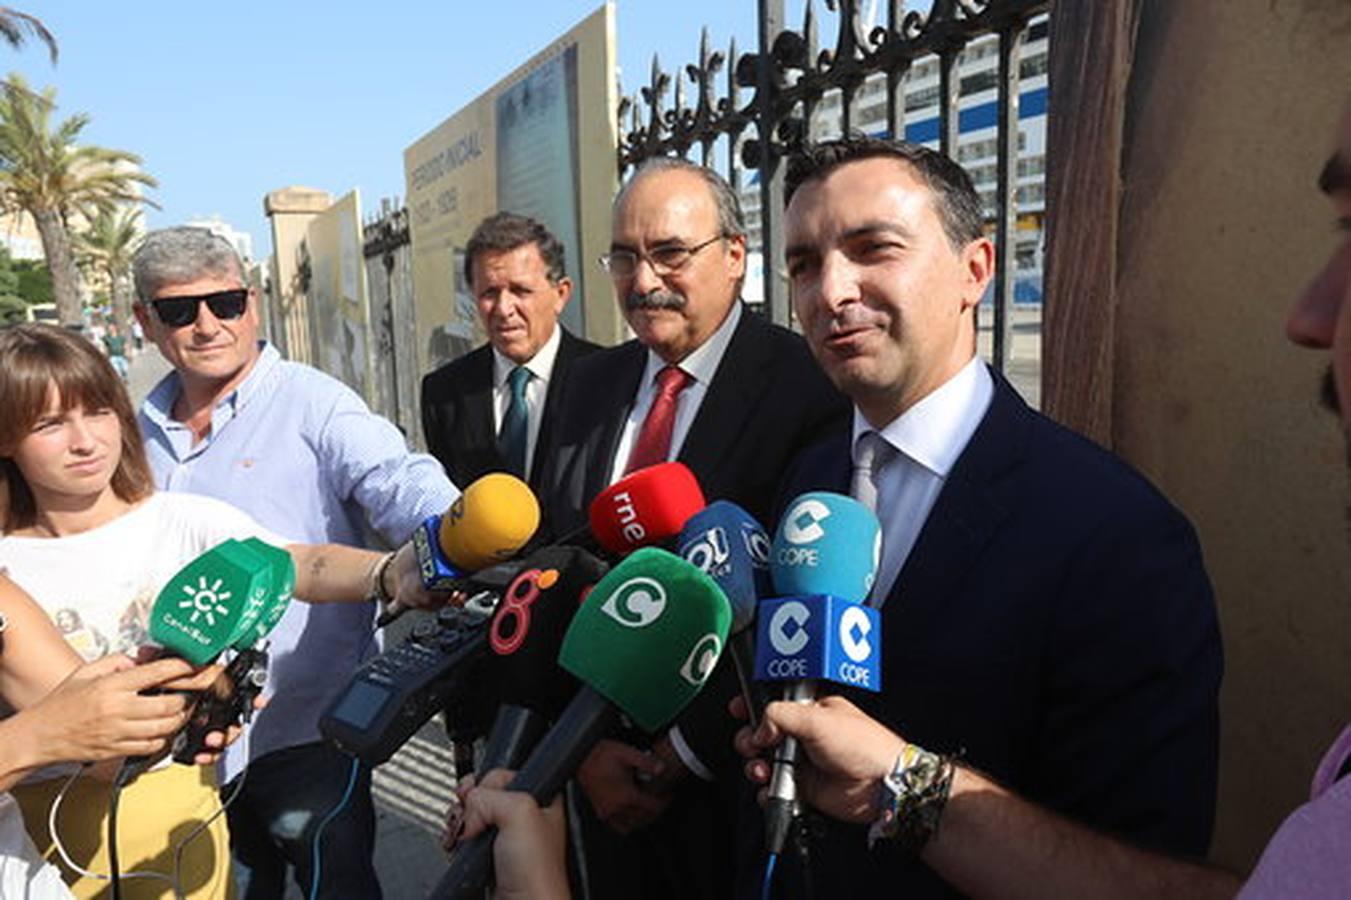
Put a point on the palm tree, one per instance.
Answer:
(107, 248)
(15, 27)
(44, 172)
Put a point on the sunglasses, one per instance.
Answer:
(176, 312)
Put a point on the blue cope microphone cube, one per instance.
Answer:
(818, 637)
(437, 572)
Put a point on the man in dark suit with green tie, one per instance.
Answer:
(492, 410)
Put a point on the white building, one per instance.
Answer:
(242, 241)
(978, 71)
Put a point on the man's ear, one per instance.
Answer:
(564, 288)
(978, 261)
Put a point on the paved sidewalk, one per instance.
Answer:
(411, 789)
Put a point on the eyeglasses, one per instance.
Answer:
(665, 260)
(176, 312)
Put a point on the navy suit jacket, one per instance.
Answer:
(457, 412)
(1055, 626)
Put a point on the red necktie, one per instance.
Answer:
(654, 439)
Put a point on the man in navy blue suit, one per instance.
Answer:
(1047, 619)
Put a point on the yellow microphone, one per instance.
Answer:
(488, 524)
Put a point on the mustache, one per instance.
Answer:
(1327, 393)
(654, 299)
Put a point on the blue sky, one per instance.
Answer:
(228, 101)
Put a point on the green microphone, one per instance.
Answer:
(212, 602)
(278, 599)
(643, 643)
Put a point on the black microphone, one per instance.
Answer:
(524, 641)
(642, 644)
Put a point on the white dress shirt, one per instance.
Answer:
(701, 365)
(541, 367)
(925, 442)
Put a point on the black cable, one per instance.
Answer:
(114, 868)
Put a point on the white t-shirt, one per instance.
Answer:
(23, 874)
(98, 586)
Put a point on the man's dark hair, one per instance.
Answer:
(505, 231)
(958, 204)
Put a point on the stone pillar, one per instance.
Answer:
(291, 209)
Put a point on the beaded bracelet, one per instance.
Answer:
(912, 797)
(378, 591)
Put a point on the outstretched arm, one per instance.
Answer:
(989, 841)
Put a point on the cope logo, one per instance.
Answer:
(788, 628)
(636, 603)
(803, 525)
(701, 660)
(855, 626)
(511, 624)
(709, 552)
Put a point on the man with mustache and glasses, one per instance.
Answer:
(301, 453)
(712, 384)
(986, 840)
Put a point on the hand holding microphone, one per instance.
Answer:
(822, 563)
(228, 598)
(486, 525)
(529, 853)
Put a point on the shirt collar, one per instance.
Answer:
(702, 363)
(540, 365)
(159, 403)
(936, 430)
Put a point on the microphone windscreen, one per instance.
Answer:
(489, 522)
(725, 542)
(527, 630)
(646, 507)
(826, 544)
(648, 635)
(278, 599)
(211, 602)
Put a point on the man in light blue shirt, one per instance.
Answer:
(302, 454)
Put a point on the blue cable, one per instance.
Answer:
(766, 889)
(333, 814)
(346, 795)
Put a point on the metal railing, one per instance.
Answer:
(789, 76)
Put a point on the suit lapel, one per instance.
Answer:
(970, 508)
(478, 403)
(567, 351)
(615, 394)
(737, 385)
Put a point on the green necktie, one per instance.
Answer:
(511, 439)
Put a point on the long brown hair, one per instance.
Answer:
(34, 358)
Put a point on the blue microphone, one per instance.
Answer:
(725, 542)
(822, 563)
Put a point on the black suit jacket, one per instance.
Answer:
(1053, 624)
(767, 402)
(457, 411)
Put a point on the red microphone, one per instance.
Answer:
(645, 507)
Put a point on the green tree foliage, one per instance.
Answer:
(47, 173)
(107, 247)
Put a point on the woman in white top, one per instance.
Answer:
(70, 712)
(83, 532)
